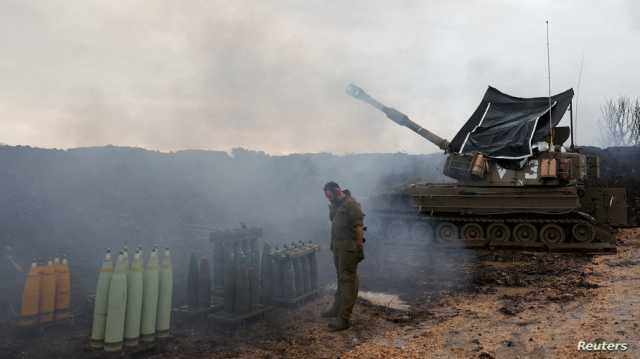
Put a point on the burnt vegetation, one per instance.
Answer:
(621, 121)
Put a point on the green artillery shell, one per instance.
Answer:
(265, 275)
(163, 323)
(204, 284)
(116, 307)
(230, 282)
(101, 301)
(150, 284)
(192, 282)
(134, 301)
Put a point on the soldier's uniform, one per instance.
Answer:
(345, 216)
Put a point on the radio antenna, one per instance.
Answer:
(551, 149)
(578, 96)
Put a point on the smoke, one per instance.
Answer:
(80, 202)
(218, 75)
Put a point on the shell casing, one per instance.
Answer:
(100, 302)
(204, 284)
(30, 306)
(165, 295)
(150, 287)
(230, 282)
(134, 301)
(298, 276)
(47, 293)
(116, 306)
(63, 291)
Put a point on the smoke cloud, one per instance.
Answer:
(170, 75)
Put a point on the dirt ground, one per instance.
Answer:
(467, 304)
(554, 303)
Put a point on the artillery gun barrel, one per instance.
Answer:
(397, 117)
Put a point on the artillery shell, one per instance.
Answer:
(298, 276)
(47, 293)
(116, 306)
(288, 281)
(204, 284)
(29, 309)
(151, 284)
(134, 301)
(243, 300)
(63, 291)
(230, 282)
(266, 275)
(101, 301)
(165, 295)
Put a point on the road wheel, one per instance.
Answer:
(447, 232)
(525, 232)
(498, 232)
(472, 232)
(583, 232)
(552, 234)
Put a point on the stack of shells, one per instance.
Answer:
(241, 274)
(227, 243)
(291, 273)
(46, 294)
(132, 302)
(198, 284)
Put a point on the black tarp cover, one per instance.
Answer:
(505, 127)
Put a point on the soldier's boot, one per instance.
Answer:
(339, 324)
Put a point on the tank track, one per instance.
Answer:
(555, 233)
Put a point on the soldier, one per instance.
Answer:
(347, 237)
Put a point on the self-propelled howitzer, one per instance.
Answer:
(517, 185)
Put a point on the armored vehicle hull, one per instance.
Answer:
(457, 215)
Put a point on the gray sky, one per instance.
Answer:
(270, 75)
